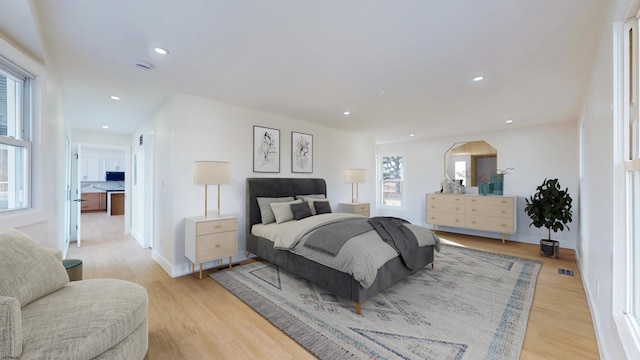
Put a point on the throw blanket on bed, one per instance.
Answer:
(399, 237)
(329, 239)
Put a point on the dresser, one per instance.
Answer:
(476, 212)
(355, 208)
(210, 238)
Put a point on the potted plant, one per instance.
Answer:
(550, 207)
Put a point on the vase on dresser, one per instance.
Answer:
(498, 183)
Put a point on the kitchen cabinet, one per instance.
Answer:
(94, 168)
(94, 201)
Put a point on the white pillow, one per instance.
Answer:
(282, 210)
(310, 196)
(266, 214)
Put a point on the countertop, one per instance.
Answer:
(100, 189)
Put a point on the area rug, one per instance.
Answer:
(472, 305)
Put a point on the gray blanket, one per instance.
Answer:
(330, 238)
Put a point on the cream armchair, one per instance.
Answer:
(44, 316)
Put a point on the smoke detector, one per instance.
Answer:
(143, 65)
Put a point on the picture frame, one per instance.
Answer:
(266, 149)
(301, 152)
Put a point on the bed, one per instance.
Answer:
(341, 283)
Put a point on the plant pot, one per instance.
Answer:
(550, 248)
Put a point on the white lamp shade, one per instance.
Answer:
(211, 172)
(356, 176)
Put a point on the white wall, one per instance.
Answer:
(188, 128)
(44, 222)
(535, 153)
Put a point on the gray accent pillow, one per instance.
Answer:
(322, 207)
(265, 210)
(282, 210)
(300, 211)
(28, 271)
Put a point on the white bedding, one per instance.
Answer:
(361, 256)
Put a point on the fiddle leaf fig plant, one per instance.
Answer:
(550, 206)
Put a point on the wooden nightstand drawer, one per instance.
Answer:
(212, 227)
(354, 208)
(216, 246)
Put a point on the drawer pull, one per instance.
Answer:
(473, 209)
(217, 226)
(457, 208)
(457, 220)
(473, 222)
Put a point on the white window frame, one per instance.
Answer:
(24, 135)
(626, 111)
(381, 181)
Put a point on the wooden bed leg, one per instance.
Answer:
(247, 254)
(433, 264)
(358, 307)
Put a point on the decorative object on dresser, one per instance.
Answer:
(266, 150)
(354, 176)
(355, 208)
(495, 213)
(211, 173)
(550, 207)
(210, 238)
(301, 152)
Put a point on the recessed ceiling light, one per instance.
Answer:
(478, 78)
(381, 93)
(113, 97)
(347, 113)
(161, 51)
(412, 135)
(509, 121)
(105, 126)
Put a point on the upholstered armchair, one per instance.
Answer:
(44, 316)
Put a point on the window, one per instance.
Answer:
(392, 180)
(461, 172)
(627, 249)
(15, 136)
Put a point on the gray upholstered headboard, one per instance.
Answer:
(278, 187)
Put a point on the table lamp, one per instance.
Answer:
(211, 173)
(354, 176)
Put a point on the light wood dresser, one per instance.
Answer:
(477, 212)
(355, 208)
(210, 238)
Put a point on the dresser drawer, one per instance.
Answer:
(447, 198)
(487, 223)
(445, 219)
(217, 226)
(215, 246)
(503, 211)
(491, 200)
(446, 207)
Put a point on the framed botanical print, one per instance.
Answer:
(266, 149)
(301, 152)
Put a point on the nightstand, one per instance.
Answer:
(210, 238)
(355, 208)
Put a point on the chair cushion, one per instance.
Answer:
(83, 319)
(28, 271)
(11, 329)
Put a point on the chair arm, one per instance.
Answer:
(57, 253)
(11, 329)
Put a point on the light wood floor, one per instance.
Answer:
(198, 319)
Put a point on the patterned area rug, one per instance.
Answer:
(472, 305)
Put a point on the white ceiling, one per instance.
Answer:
(312, 60)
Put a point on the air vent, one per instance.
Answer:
(565, 272)
(143, 65)
(140, 140)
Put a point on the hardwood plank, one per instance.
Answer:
(192, 318)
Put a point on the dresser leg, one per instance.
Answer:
(200, 271)
(229, 262)
(504, 236)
